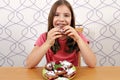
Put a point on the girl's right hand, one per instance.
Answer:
(52, 35)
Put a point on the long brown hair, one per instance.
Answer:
(72, 45)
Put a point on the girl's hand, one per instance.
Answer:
(70, 31)
(52, 35)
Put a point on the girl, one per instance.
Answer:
(62, 41)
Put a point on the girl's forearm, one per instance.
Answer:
(87, 54)
(36, 55)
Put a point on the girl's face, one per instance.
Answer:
(62, 17)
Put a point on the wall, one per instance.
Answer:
(22, 21)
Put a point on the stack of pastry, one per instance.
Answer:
(59, 69)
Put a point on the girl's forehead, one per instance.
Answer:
(63, 8)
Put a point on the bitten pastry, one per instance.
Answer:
(62, 31)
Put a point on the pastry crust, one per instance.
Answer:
(70, 75)
(60, 72)
(51, 77)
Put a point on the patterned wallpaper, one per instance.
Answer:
(22, 21)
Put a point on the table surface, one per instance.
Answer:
(83, 73)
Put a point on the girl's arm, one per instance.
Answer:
(87, 54)
(36, 55)
(39, 51)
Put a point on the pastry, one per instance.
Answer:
(50, 75)
(59, 69)
(49, 66)
(70, 73)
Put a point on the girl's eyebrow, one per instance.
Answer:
(63, 13)
(66, 13)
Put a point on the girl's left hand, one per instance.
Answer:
(71, 32)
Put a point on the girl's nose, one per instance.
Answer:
(61, 18)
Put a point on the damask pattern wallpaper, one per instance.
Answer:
(22, 21)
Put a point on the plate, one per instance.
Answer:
(44, 71)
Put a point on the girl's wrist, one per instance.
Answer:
(78, 39)
(47, 44)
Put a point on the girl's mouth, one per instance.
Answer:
(60, 25)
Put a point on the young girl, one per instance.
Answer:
(62, 41)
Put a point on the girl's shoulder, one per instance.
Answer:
(41, 39)
(43, 35)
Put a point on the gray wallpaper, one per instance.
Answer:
(22, 21)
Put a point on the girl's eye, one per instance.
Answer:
(66, 15)
(56, 15)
